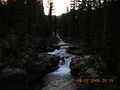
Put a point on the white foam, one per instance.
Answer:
(64, 68)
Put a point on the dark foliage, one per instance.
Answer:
(95, 25)
(24, 29)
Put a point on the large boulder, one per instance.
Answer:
(74, 50)
(31, 68)
(81, 49)
(43, 63)
(88, 70)
(90, 66)
(77, 49)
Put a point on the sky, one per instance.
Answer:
(4, 1)
(59, 6)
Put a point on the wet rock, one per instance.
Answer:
(92, 72)
(63, 44)
(50, 49)
(29, 69)
(66, 55)
(42, 64)
(77, 50)
(90, 66)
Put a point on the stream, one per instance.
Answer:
(60, 79)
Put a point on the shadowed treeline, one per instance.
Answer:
(94, 24)
(23, 27)
(25, 33)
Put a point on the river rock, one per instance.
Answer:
(32, 67)
(90, 66)
(43, 63)
(75, 49)
(63, 44)
(50, 49)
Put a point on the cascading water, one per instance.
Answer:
(65, 60)
(58, 36)
(61, 78)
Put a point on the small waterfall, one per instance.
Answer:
(65, 58)
(58, 36)
(64, 68)
(61, 78)
(67, 61)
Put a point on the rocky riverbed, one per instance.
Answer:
(62, 69)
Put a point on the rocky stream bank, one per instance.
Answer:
(89, 71)
(20, 75)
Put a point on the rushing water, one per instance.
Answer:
(61, 78)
